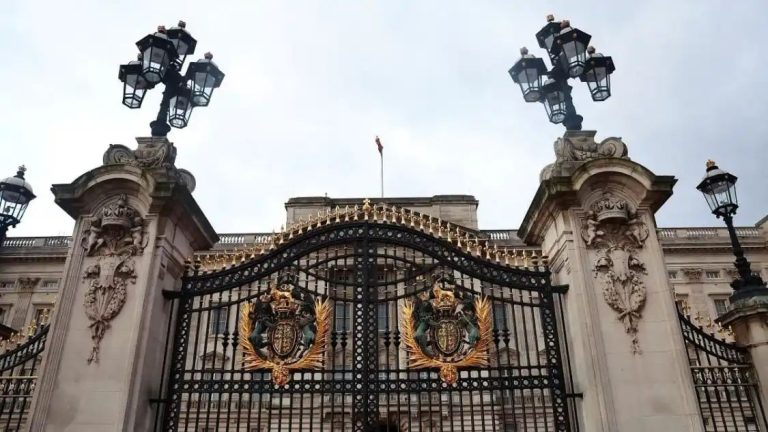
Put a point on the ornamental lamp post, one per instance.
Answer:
(571, 57)
(161, 58)
(719, 190)
(15, 195)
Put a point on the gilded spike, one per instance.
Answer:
(355, 211)
(337, 215)
(439, 228)
(421, 223)
(346, 213)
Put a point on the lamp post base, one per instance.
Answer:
(159, 129)
(753, 288)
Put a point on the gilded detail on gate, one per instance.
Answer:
(446, 329)
(284, 330)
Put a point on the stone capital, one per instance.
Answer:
(622, 177)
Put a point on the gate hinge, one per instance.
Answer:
(560, 289)
(575, 395)
(171, 294)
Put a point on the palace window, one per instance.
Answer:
(721, 305)
(499, 316)
(341, 316)
(7, 284)
(712, 274)
(681, 300)
(42, 313)
(3, 312)
(672, 274)
(383, 316)
(50, 284)
(217, 323)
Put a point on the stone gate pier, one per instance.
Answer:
(593, 215)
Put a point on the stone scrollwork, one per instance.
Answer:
(115, 236)
(614, 230)
(152, 153)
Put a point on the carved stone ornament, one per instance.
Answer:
(152, 152)
(692, 274)
(27, 283)
(577, 147)
(615, 231)
(115, 236)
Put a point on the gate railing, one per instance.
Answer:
(724, 380)
(19, 363)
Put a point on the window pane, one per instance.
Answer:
(340, 317)
(383, 314)
(499, 316)
(218, 321)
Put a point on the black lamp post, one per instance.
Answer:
(571, 57)
(15, 195)
(161, 57)
(719, 189)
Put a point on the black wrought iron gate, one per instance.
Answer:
(352, 288)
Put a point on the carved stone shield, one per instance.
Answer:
(447, 336)
(284, 338)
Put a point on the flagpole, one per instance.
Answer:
(381, 156)
(382, 173)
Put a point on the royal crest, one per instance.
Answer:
(446, 328)
(284, 330)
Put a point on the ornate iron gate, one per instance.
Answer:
(724, 379)
(19, 363)
(367, 319)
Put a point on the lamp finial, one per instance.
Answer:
(710, 163)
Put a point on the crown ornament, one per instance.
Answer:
(118, 214)
(610, 207)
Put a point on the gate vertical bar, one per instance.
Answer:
(365, 400)
(178, 359)
(554, 360)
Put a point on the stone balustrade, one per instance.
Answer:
(501, 236)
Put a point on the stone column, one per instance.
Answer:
(748, 318)
(593, 215)
(136, 222)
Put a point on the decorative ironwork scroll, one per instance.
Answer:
(284, 331)
(446, 329)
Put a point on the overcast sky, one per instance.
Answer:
(310, 83)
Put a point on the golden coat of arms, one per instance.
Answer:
(284, 330)
(446, 329)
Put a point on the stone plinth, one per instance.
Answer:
(748, 318)
(593, 215)
(136, 222)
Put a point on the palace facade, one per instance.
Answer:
(699, 260)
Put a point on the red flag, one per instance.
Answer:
(381, 147)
